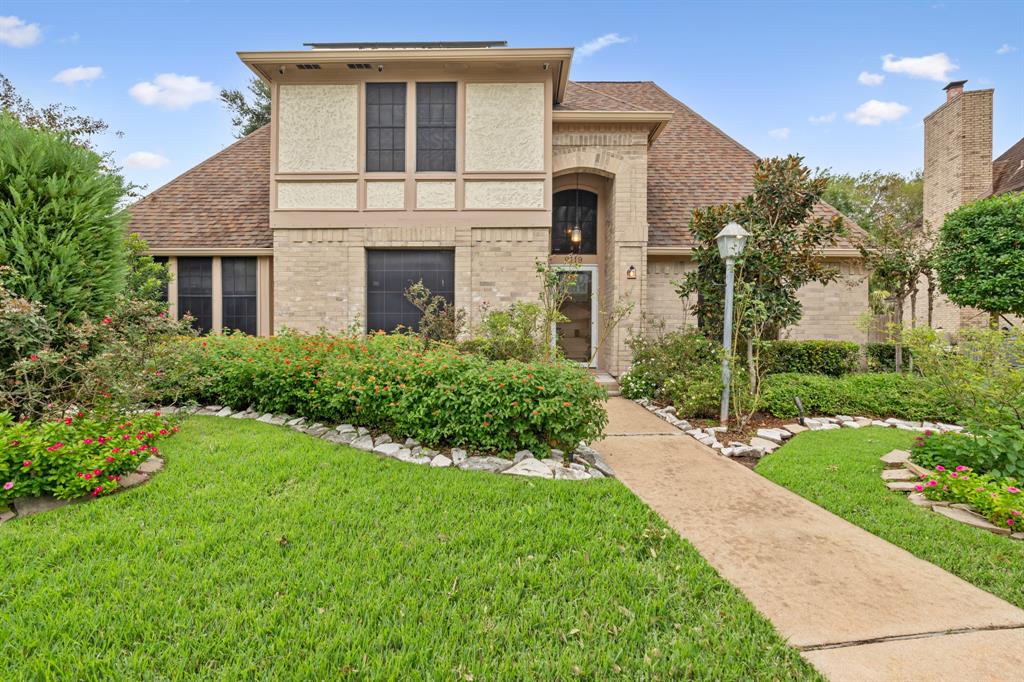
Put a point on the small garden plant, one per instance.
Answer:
(75, 455)
(998, 499)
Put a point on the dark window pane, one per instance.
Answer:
(163, 260)
(574, 207)
(435, 126)
(385, 127)
(238, 284)
(195, 291)
(390, 273)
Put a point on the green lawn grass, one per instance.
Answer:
(263, 553)
(840, 471)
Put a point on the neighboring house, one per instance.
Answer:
(461, 165)
(959, 169)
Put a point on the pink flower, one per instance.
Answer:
(1012, 489)
(8, 485)
(110, 459)
(68, 420)
(940, 468)
(1015, 512)
(918, 488)
(97, 490)
(961, 468)
(33, 357)
(107, 320)
(932, 483)
(954, 475)
(1009, 522)
(87, 476)
(156, 414)
(27, 463)
(56, 446)
(87, 441)
(163, 432)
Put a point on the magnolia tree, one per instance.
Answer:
(784, 253)
(980, 256)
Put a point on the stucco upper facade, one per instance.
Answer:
(346, 192)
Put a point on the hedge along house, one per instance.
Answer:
(460, 164)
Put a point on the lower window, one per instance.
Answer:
(195, 291)
(238, 282)
(389, 273)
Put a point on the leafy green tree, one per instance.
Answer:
(59, 225)
(784, 253)
(871, 198)
(980, 255)
(248, 116)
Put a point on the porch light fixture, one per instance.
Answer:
(731, 242)
(631, 273)
(574, 232)
(576, 235)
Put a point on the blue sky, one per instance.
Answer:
(844, 84)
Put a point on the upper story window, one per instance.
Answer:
(574, 211)
(385, 127)
(435, 127)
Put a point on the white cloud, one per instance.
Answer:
(145, 160)
(78, 74)
(598, 44)
(824, 118)
(1006, 48)
(779, 133)
(935, 67)
(873, 112)
(868, 78)
(16, 33)
(171, 91)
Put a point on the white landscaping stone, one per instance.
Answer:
(298, 421)
(920, 500)
(492, 464)
(830, 426)
(863, 421)
(951, 427)
(669, 410)
(279, 420)
(901, 486)
(895, 459)
(266, 418)
(345, 428)
(224, 412)
(795, 428)
(151, 465)
(387, 449)
(458, 456)
(696, 433)
(440, 461)
(383, 438)
(970, 519)
(764, 444)
(338, 438)
(843, 418)
(521, 455)
(364, 443)
(898, 475)
(563, 474)
(879, 422)
(851, 425)
(529, 467)
(773, 435)
(362, 431)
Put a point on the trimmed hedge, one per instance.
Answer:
(882, 357)
(438, 396)
(878, 395)
(832, 358)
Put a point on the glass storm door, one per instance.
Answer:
(576, 336)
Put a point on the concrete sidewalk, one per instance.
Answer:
(856, 606)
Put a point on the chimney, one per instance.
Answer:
(954, 90)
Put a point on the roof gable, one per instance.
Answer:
(1008, 170)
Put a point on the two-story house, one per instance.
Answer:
(461, 164)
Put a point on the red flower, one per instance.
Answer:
(163, 432)
(55, 446)
(107, 320)
(67, 421)
(27, 463)
(33, 357)
(110, 459)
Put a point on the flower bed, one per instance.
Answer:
(998, 499)
(391, 383)
(75, 456)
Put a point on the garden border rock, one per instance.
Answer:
(28, 506)
(584, 463)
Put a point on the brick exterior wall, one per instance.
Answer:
(957, 170)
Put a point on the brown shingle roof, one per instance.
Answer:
(1008, 170)
(691, 165)
(224, 202)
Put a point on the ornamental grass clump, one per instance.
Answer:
(438, 395)
(998, 498)
(75, 455)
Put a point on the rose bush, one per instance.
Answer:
(439, 395)
(76, 455)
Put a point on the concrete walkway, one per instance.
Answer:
(856, 606)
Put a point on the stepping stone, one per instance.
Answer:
(795, 428)
(774, 435)
(917, 469)
(970, 519)
(440, 461)
(491, 464)
(133, 479)
(151, 465)
(902, 486)
(1017, 536)
(895, 459)
(920, 500)
(7, 516)
(898, 475)
(764, 445)
(529, 467)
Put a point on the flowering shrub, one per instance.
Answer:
(998, 499)
(437, 395)
(74, 456)
(999, 451)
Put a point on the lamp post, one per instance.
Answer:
(731, 242)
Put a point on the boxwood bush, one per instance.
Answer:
(879, 395)
(881, 357)
(438, 395)
(832, 358)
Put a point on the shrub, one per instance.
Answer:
(439, 319)
(995, 450)
(833, 358)
(661, 357)
(510, 334)
(880, 395)
(74, 456)
(59, 223)
(998, 499)
(881, 357)
(438, 395)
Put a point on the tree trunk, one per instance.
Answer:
(750, 365)
(899, 335)
(993, 320)
(913, 307)
(931, 298)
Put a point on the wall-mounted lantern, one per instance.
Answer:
(631, 273)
